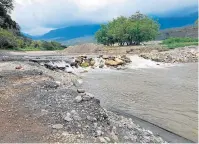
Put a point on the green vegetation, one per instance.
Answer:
(12, 39)
(85, 64)
(6, 22)
(130, 31)
(177, 42)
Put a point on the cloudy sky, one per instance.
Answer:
(37, 17)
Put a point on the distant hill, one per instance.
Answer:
(85, 33)
(187, 31)
(78, 41)
(177, 21)
(71, 32)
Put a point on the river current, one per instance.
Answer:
(163, 94)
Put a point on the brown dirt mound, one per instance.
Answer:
(91, 48)
(84, 48)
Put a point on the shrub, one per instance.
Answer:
(7, 39)
(177, 42)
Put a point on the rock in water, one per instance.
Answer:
(92, 62)
(84, 64)
(101, 65)
(119, 61)
(105, 57)
(69, 70)
(111, 63)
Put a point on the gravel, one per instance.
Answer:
(178, 55)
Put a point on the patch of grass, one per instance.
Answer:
(177, 42)
(28, 49)
(178, 45)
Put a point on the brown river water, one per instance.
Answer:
(166, 97)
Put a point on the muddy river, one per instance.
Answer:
(166, 96)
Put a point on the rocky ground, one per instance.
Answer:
(178, 55)
(40, 101)
(39, 106)
(150, 50)
(96, 49)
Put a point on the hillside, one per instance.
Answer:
(187, 31)
(71, 32)
(80, 40)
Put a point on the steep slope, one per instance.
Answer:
(188, 31)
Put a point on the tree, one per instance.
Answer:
(132, 30)
(138, 16)
(102, 35)
(7, 5)
(117, 30)
(6, 22)
(142, 28)
(7, 39)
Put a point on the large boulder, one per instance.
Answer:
(119, 61)
(85, 64)
(105, 57)
(79, 60)
(92, 62)
(126, 59)
(112, 63)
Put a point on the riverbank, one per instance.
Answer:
(41, 105)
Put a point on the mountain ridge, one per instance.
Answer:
(80, 31)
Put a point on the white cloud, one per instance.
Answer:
(39, 16)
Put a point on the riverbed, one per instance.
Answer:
(164, 95)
